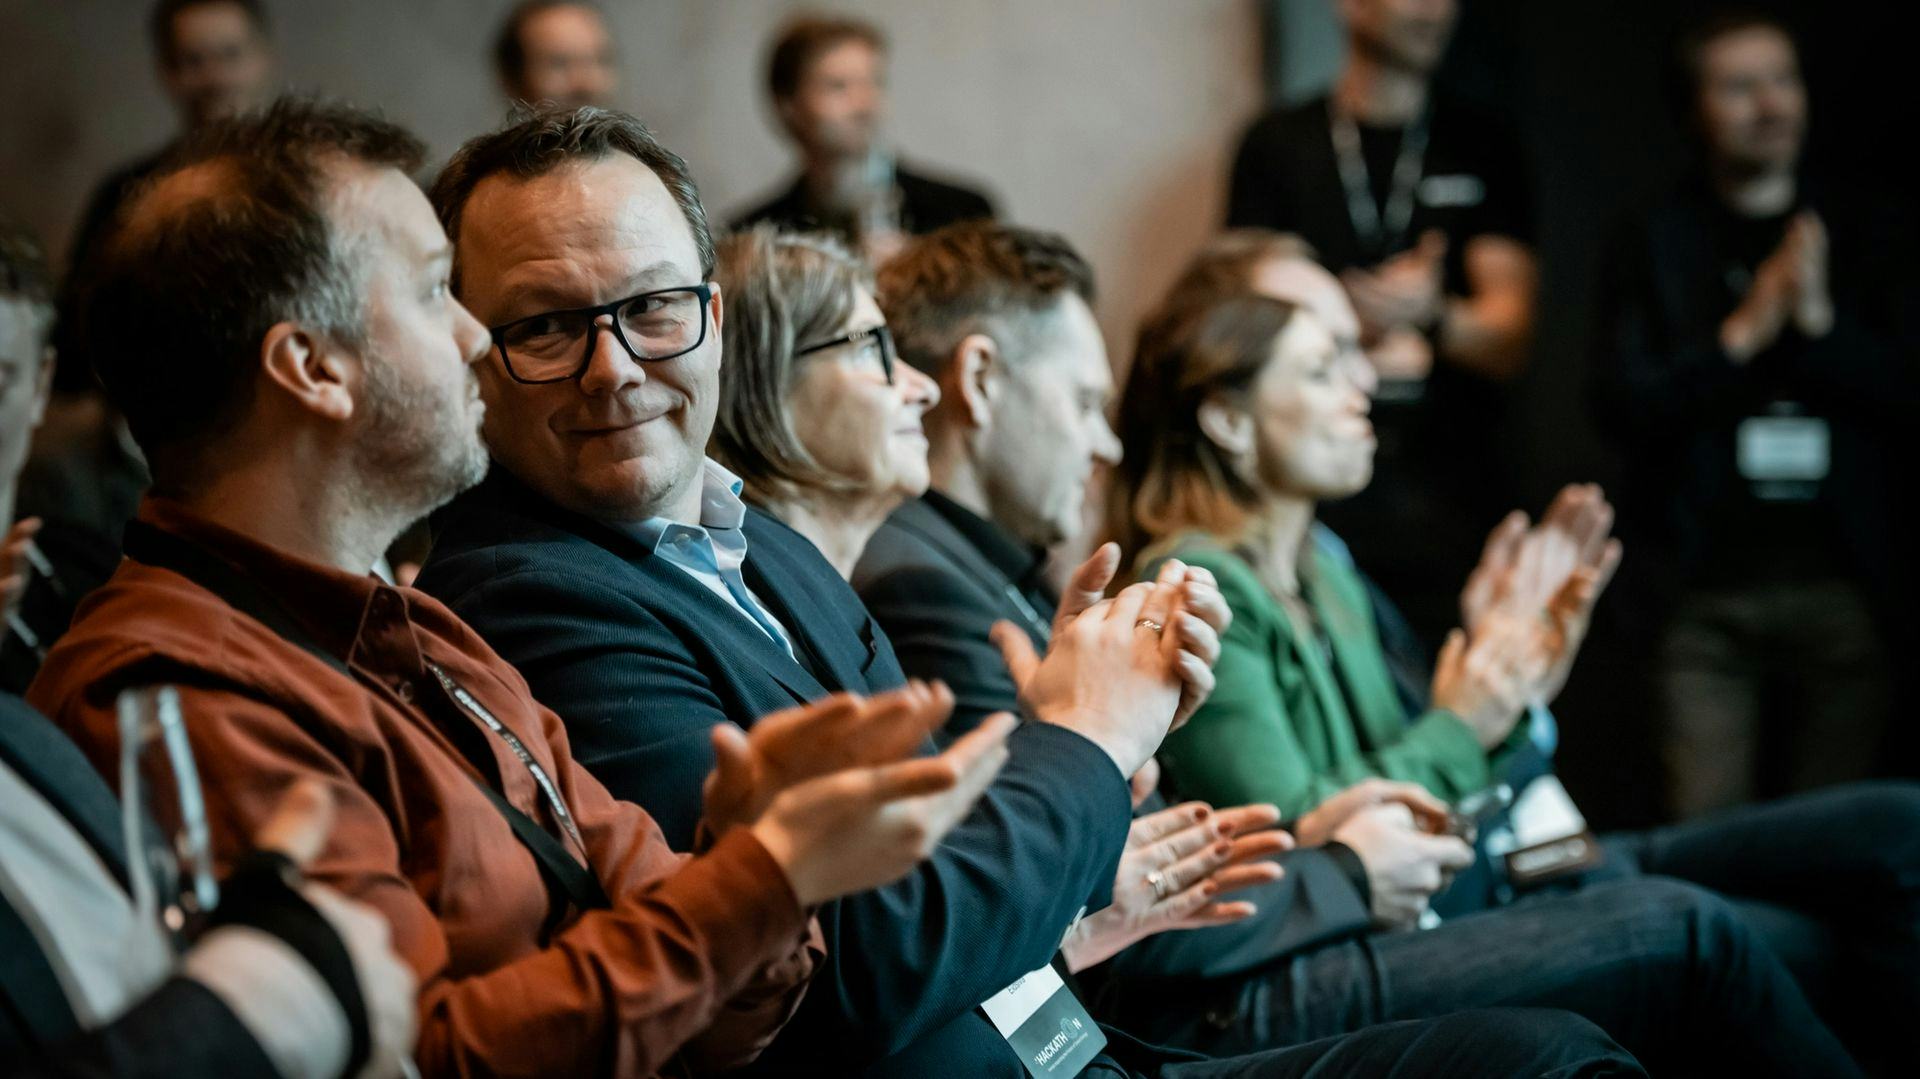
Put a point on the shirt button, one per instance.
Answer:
(405, 690)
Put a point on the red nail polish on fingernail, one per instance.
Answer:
(1201, 813)
(1222, 848)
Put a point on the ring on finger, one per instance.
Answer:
(1150, 624)
(1158, 882)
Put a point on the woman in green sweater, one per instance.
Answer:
(1240, 416)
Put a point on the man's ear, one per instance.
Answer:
(973, 373)
(717, 312)
(1226, 425)
(308, 369)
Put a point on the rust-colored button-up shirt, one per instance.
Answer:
(704, 957)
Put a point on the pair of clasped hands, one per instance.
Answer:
(835, 793)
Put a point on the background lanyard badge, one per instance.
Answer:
(1378, 235)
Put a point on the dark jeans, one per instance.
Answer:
(1831, 879)
(1667, 968)
(1488, 1044)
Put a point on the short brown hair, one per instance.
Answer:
(784, 291)
(541, 140)
(1171, 477)
(173, 304)
(808, 38)
(976, 277)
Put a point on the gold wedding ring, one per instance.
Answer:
(1150, 624)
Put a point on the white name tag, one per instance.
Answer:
(1791, 450)
(1452, 189)
(1545, 812)
(1043, 1021)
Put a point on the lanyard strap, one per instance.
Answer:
(565, 875)
(1377, 236)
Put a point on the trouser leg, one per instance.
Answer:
(1846, 856)
(1831, 649)
(1480, 1044)
(1710, 682)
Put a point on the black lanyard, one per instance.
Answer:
(565, 876)
(1379, 234)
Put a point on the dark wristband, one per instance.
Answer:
(263, 893)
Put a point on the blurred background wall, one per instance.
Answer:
(1112, 122)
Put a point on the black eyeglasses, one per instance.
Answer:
(872, 339)
(556, 346)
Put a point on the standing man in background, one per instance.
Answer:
(556, 51)
(828, 80)
(1420, 204)
(1754, 372)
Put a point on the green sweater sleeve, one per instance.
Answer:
(1247, 743)
(1439, 752)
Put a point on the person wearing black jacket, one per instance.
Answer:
(826, 81)
(1756, 368)
(618, 570)
(290, 982)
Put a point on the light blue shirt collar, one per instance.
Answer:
(712, 551)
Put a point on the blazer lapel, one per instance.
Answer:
(828, 663)
(718, 620)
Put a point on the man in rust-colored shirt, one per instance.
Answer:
(272, 315)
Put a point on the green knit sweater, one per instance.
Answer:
(1291, 722)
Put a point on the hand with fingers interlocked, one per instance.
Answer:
(1116, 671)
(1177, 864)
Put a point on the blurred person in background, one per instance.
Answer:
(1419, 201)
(215, 59)
(827, 81)
(45, 566)
(1756, 365)
(556, 52)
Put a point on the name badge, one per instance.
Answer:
(1444, 189)
(1783, 457)
(1044, 1022)
(1549, 834)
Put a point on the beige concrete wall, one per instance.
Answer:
(1110, 120)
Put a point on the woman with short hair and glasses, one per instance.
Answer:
(816, 415)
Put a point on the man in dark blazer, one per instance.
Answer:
(945, 568)
(620, 572)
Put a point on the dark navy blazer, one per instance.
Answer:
(641, 661)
